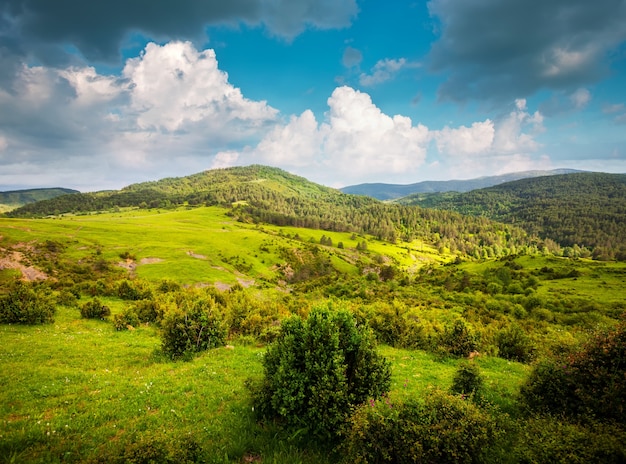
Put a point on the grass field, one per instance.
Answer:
(78, 389)
(200, 245)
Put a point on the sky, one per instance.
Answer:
(97, 95)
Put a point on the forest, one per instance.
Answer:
(575, 210)
(324, 328)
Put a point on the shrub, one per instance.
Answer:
(467, 379)
(458, 339)
(94, 309)
(590, 382)
(547, 439)
(514, 344)
(194, 325)
(318, 370)
(27, 304)
(126, 318)
(134, 290)
(147, 310)
(442, 429)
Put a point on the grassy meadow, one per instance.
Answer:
(78, 390)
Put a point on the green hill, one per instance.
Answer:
(576, 210)
(259, 194)
(15, 198)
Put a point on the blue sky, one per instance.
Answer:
(98, 95)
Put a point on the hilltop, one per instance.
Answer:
(576, 210)
(15, 198)
(393, 191)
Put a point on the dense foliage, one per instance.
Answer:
(440, 428)
(576, 210)
(589, 383)
(318, 370)
(25, 303)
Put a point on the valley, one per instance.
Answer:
(246, 249)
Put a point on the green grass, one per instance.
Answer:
(77, 388)
(199, 245)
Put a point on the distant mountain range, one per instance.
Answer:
(393, 191)
(15, 198)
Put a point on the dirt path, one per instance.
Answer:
(13, 260)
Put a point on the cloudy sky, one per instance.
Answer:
(97, 95)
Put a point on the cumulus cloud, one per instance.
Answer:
(385, 70)
(496, 50)
(169, 112)
(506, 144)
(355, 142)
(97, 28)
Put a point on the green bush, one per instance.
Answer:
(148, 310)
(458, 339)
(547, 439)
(27, 304)
(134, 290)
(467, 379)
(318, 370)
(514, 344)
(442, 429)
(94, 309)
(590, 383)
(194, 325)
(125, 319)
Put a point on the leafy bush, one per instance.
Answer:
(27, 304)
(318, 370)
(94, 309)
(148, 310)
(125, 319)
(442, 429)
(514, 344)
(194, 325)
(589, 383)
(458, 339)
(467, 379)
(547, 439)
(134, 290)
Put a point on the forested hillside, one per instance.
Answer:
(270, 195)
(576, 210)
(16, 198)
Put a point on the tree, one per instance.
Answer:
(319, 369)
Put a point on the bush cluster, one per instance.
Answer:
(443, 429)
(194, 325)
(589, 383)
(27, 304)
(459, 339)
(94, 309)
(317, 370)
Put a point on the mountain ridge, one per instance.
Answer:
(383, 191)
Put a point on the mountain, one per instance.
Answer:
(14, 199)
(393, 191)
(583, 209)
(260, 194)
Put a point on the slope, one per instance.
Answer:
(258, 194)
(15, 198)
(576, 210)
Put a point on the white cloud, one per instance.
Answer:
(356, 141)
(506, 144)
(174, 87)
(385, 70)
(477, 139)
(168, 114)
